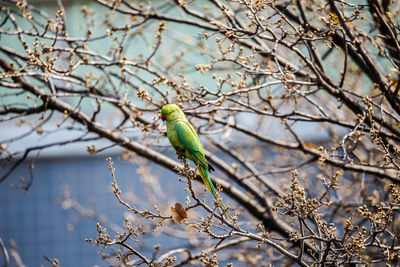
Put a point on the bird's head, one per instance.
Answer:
(171, 112)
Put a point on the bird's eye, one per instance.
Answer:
(170, 112)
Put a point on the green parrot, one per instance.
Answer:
(185, 141)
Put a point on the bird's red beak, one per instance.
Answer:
(163, 117)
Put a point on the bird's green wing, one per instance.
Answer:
(188, 138)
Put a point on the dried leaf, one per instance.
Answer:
(178, 213)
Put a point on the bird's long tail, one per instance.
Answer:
(206, 179)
